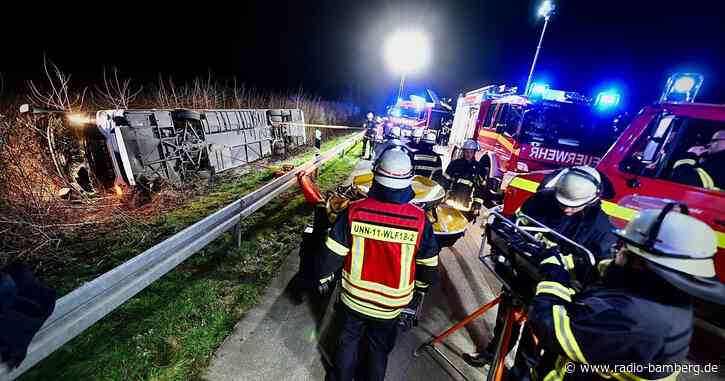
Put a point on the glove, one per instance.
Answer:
(326, 285)
(409, 316)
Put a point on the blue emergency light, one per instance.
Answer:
(682, 87)
(537, 89)
(396, 112)
(607, 100)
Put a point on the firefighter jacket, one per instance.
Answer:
(463, 179)
(427, 163)
(632, 322)
(386, 249)
(707, 172)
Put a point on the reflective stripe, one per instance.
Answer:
(325, 280)
(382, 301)
(478, 200)
(551, 260)
(384, 233)
(377, 287)
(336, 247)
(554, 288)
(626, 376)
(524, 184)
(603, 265)
(358, 253)
(369, 309)
(425, 167)
(684, 162)
(617, 211)
(562, 328)
(559, 370)
(421, 284)
(465, 182)
(432, 261)
(406, 260)
(568, 261)
(425, 158)
(707, 181)
(446, 176)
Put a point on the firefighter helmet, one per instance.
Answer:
(470, 144)
(429, 138)
(677, 247)
(394, 133)
(417, 133)
(578, 186)
(393, 169)
(370, 116)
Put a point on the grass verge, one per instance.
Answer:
(170, 330)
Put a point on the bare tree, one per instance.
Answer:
(57, 93)
(117, 92)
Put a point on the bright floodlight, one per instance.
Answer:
(407, 51)
(546, 8)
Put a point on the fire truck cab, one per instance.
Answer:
(517, 134)
(639, 168)
(419, 113)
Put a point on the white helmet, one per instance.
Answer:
(578, 186)
(470, 144)
(678, 247)
(394, 132)
(417, 133)
(394, 169)
(429, 138)
(370, 116)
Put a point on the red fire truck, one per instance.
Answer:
(638, 168)
(419, 113)
(546, 129)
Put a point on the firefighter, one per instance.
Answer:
(391, 139)
(370, 131)
(641, 312)
(427, 162)
(569, 203)
(461, 180)
(706, 171)
(388, 253)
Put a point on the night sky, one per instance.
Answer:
(334, 48)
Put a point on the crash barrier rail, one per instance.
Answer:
(84, 306)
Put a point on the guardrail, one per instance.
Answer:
(84, 306)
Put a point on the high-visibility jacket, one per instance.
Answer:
(427, 163)
(386, 251)
(632, 325)
(462, 179)
(706, 173)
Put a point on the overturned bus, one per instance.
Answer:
(123, 149)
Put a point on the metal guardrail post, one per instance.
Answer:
(237, 231)
(318, 147)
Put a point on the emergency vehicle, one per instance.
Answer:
(517, 133)
(637, 168)
(419, 113)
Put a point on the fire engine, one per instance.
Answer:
(637, 170)
(547, 128)
(419, 113)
